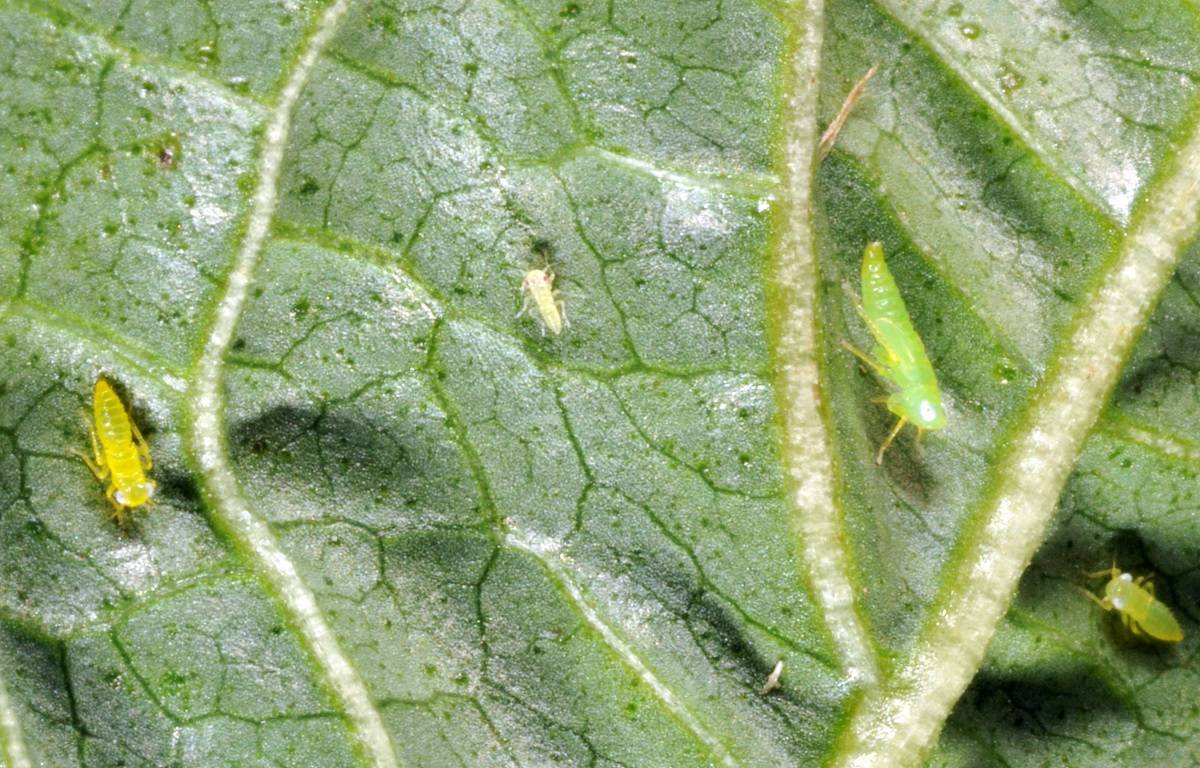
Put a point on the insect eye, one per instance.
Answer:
(1118, 603)
(1126, 577)
(120, 498)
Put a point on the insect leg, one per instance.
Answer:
(118, 510)
(879, 370)
(873, 327)
(99, 470)
(862, 312)
(98, 467)
(143, 448)
(562, 312)
(892, 436)
(1106, 573)
(1094, 599)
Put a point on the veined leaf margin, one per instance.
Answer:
(206, 406)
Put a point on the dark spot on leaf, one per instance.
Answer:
(308, 187)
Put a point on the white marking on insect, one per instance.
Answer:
(928, 413)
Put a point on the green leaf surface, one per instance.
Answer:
(399, 525)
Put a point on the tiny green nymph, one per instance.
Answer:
(1134, 601)
(899, 356)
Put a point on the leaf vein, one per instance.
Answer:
(899, 724)
(206, 403)
(998, 107)
(744, 184)
(806, 449)
(54, 13)
(99, 338)
(1129, 429)
(621, 648)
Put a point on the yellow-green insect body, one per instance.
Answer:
(1134, 601)
(899, 355)
(121, 456)
(539, 286)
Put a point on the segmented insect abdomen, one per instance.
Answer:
(116, 436)
(1160, 623)
(112, 423)
(881, 298)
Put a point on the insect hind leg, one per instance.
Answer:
(871, 363)
(142, 447)
(891, 436)
(98, 466)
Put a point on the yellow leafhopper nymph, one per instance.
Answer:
(899, 354)
(538, 285)
(1134, 601)
(121, 456)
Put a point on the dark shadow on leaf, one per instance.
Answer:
(1031, 708)
(1170, 353)
(719, 635)
(274, 430)
(399, 467)
(180, 487)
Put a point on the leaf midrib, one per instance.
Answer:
(886, 738)
(254, 534)
(206, 404)
(795, 338)
(1, 691)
